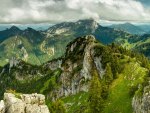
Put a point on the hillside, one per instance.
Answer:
(73, 78)
(141, 44)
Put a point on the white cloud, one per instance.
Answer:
(29, 11)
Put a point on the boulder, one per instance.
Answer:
(36, 109)
(13, 104)
(24, 103)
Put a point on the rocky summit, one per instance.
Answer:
(77, 66)
(23, 103)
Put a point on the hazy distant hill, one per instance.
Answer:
(145, 27)
(128, 27)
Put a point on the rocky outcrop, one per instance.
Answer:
(23, 103)
(13, 62)
(77, 66)
(54, 64)
(141, 104)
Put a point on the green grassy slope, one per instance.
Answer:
(119, 99)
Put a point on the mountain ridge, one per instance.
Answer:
(128, 27)
(42, 46)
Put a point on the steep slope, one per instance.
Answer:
(25, 45)
(9, 32)
(128, 27)
(141, 44)
(19, 47)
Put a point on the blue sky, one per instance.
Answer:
(55, 11)
(146, 3)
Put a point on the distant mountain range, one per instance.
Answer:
(39, 27)
(128, 27)
(37, 47)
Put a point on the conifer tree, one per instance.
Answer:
(108, 75)
(95, 98)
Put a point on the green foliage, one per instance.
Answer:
(115, 67)
(95, 98)
(57, 107)
(77, 103)
(122, 89)
(50, 84)
(108, 75)
(35, 84)
(17, 95)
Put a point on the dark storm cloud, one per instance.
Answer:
(37, 11)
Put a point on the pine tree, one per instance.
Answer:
(95, 98)
(115, 67)
(108, 75)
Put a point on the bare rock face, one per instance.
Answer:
(141, 104)
(77, 66)
(54, 64)
(13, 62)
(25, 103)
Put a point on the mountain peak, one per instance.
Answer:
(80, 42)
(128, 24)
(14, 28)
(89, 24)
(29, 29)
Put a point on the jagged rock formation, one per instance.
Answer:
(54, 64)
(23, 103)
(141, 103)
(77, 66)
(13, 62)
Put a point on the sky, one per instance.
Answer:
(55, 11)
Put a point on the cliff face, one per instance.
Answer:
(23, 103)
(77, 66)
(141, 104)
(54, 64)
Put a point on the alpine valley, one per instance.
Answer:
(78, 67)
